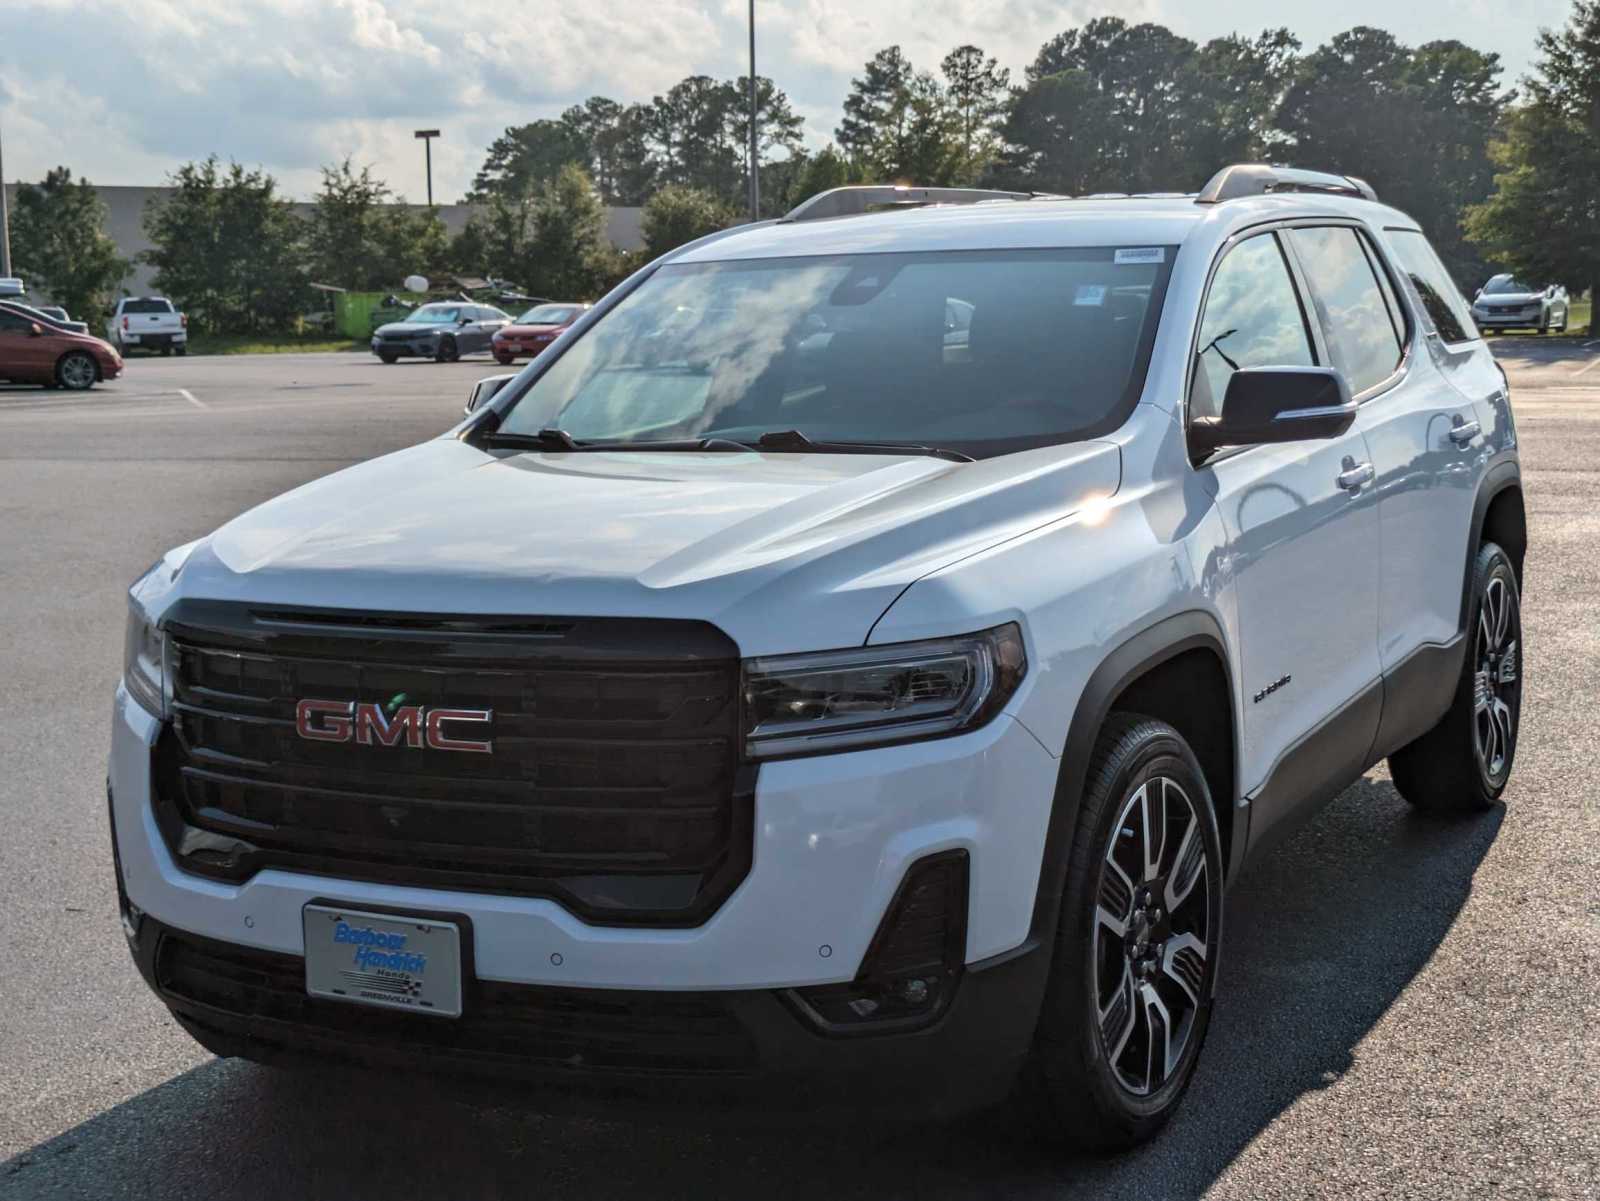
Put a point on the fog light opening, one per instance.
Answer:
(913, 965)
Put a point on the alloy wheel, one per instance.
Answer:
(1496, 680)
(77, 371)
(1151, 935)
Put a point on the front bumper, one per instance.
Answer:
(835, 836)
(520, 346)
(424, 347)
(743, 1050)
(1508, 320)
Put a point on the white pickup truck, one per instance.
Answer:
(148, 323)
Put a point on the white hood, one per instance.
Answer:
(783, 552)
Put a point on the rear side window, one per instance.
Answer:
(147, 306)
(13, 323)
(1356, 320)
(1441, 299)
(1252, 319)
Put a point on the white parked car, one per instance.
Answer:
(148, 323)
(862, 721)
(1506, 302)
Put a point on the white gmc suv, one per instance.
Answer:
(785, 689)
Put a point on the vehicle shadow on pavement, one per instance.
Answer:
(1322, 938)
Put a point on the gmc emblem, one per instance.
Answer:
(367, 724)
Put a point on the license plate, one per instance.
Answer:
(384, 960)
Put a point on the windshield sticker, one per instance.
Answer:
(1141, 254)
(1090, 294)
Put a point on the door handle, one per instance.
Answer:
(1355, 475)
(1463, 432)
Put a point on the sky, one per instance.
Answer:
(124, 91)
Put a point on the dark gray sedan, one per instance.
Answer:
(443, 331)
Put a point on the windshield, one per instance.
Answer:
(982, 352)
(1505, 283)
(547, 314)
(435, 314)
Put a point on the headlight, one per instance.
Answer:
(144, 661)
(849, 699)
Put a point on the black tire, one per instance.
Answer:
(448, 351)
(182, 350)
(389, 358)
(504, 360)
(166, 352)
(1084, 1077)
(1463, 763)
(76, 371)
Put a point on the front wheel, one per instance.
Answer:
(76, 371)
(1463, 763)
(1134, 965)
(388, 358)
(182, 350)
(504, 360)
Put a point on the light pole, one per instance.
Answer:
(755, 182)
(5, 225)
(427, 136)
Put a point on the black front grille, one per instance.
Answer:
(613, 782)
(587, 1029)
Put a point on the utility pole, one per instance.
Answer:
(5, 225)
(427, 136)
(755, 182)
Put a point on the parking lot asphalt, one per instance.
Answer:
(1407, 1007)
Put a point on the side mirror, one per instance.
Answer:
(483, 391)
(35, 330)
(1276, 404)
(463, 320)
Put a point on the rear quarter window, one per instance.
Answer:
(1446, 307)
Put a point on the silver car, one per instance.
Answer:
(1506, 302)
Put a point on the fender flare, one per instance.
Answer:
(1502, 474)
(1151, 647)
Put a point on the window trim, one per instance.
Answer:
(1431, 328)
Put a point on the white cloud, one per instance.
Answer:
(124, 92)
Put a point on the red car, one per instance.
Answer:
(534, 330)
(35, 350)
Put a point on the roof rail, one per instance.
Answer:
(852, 201)
(1258, 179)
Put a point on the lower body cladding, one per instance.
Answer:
(875, 958)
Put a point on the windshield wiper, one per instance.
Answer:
(546, 439)
(794, 440)
(775, 440)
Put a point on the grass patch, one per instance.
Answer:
(268, 343)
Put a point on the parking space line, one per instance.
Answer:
(190, 397)
(1589, 366)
